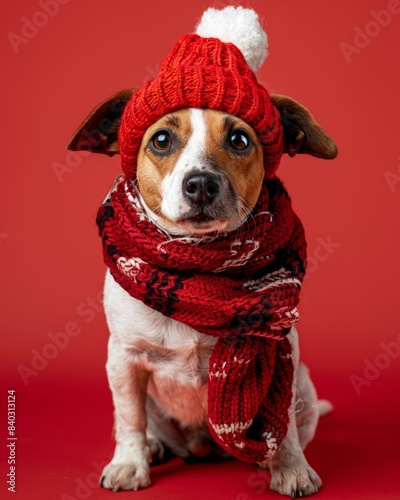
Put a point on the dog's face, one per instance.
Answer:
(200, 171)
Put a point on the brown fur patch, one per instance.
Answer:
(301, 132)
(245, 171)
(151, 168)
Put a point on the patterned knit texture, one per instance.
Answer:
(202, 73)
(242, 287)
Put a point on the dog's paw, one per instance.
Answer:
(299, 481)
(125, 476)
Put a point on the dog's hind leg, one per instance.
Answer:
(308, 407)
(163, 434)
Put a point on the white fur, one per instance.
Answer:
(174, 204)
(129, 318)
(239, 26)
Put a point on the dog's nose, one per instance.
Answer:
(201, 189)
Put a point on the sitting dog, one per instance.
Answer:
(206, 260)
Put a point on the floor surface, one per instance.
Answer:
(64, 438)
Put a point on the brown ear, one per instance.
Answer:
(99, 132)
(301, 132)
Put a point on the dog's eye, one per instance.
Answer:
(239, 140)
(161, 141)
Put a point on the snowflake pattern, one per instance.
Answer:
(242, 253)
(130, 267)
(271, 443)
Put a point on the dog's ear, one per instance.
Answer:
(301, 132)
(99, 132)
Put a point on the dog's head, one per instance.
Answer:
(202, 135)
(201, 170)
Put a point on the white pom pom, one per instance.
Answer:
(239, 26)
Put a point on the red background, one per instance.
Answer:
(52, 269)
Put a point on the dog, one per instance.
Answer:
(199, 175)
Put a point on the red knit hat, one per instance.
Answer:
(208, 73)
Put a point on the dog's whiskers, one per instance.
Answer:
(243, 222)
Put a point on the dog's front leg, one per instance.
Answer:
(290, 472)
(129, 468)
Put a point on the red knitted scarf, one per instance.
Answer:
(242, 287)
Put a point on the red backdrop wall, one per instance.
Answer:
(340, 59)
